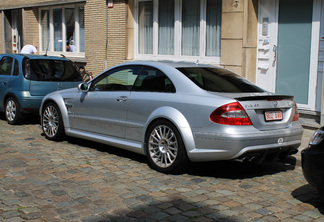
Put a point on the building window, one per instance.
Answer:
(178, 29)
(62, 30)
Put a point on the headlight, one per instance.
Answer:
(317, 137)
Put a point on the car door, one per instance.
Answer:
(152, 89)
(6, 67)
(103, 109)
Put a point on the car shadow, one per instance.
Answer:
(108, 149)
(310, 195)
(153, 210)
(29, 119)
(232, 169)
(217, 169)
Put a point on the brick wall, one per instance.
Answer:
(117, 33)
(96, 32)
(31, 30)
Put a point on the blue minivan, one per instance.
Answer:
(26, 79)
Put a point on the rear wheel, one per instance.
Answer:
(13, 113)
(52, 123)
(165, 149)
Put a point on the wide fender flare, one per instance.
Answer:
(59, 101)
(178, 120)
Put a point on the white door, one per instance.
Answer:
(288, 48)
(267, 44)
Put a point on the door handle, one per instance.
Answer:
(122, 99)
(275, 55)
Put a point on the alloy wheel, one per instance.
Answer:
(51, 120)
(11, 110)
(163, 146)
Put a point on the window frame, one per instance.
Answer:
(12, 65)
(50, 51)
(177, 34)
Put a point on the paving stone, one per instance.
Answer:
(77, 180)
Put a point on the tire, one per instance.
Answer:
(13, 114)
(165, 149)
(52, 123)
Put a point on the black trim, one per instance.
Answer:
(271, 97)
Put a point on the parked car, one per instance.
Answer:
(312, 160)
(175, 113)
(26, 79)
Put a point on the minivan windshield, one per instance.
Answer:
(51, 70)
(219, 80)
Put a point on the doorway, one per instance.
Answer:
(13, 26)
(288, 48)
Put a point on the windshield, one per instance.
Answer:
(51, 70)
(219, 80)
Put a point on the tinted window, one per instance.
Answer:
(153, 80)
(219, 80)
(16, 68)
(6, 65)
(119, 79)
(51, 70)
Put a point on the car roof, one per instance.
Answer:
(34, 56)
(175, 64)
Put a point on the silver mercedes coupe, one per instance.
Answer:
(176, 113)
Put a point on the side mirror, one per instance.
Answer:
(83, 87)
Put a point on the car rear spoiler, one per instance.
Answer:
(267, 97)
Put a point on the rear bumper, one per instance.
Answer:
(247, 143)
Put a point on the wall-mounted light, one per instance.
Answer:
(110, 3)
(236, 4)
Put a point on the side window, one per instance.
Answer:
(153, 80)
(6, 65)
(51, 70)
(16, 68)
(119, 79)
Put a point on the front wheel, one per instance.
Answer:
(13, 113)
(52, 123)
(165, 149)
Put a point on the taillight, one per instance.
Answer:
(230, 114)
(296, 113)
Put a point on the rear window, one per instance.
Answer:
(51, 70)
(219, 80)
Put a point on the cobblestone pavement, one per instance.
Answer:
(77, 180)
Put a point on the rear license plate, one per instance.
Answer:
(273, 115)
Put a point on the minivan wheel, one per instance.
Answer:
(12, 112)
(165, 149)
(52, 123)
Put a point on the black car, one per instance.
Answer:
(313, 160)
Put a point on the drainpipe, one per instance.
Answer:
(322, 103)
(106, 48)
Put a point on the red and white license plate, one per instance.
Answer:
(273, 115)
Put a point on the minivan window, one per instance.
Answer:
(51, 70)
(16, 68)
(219, 80)
(6, 65)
